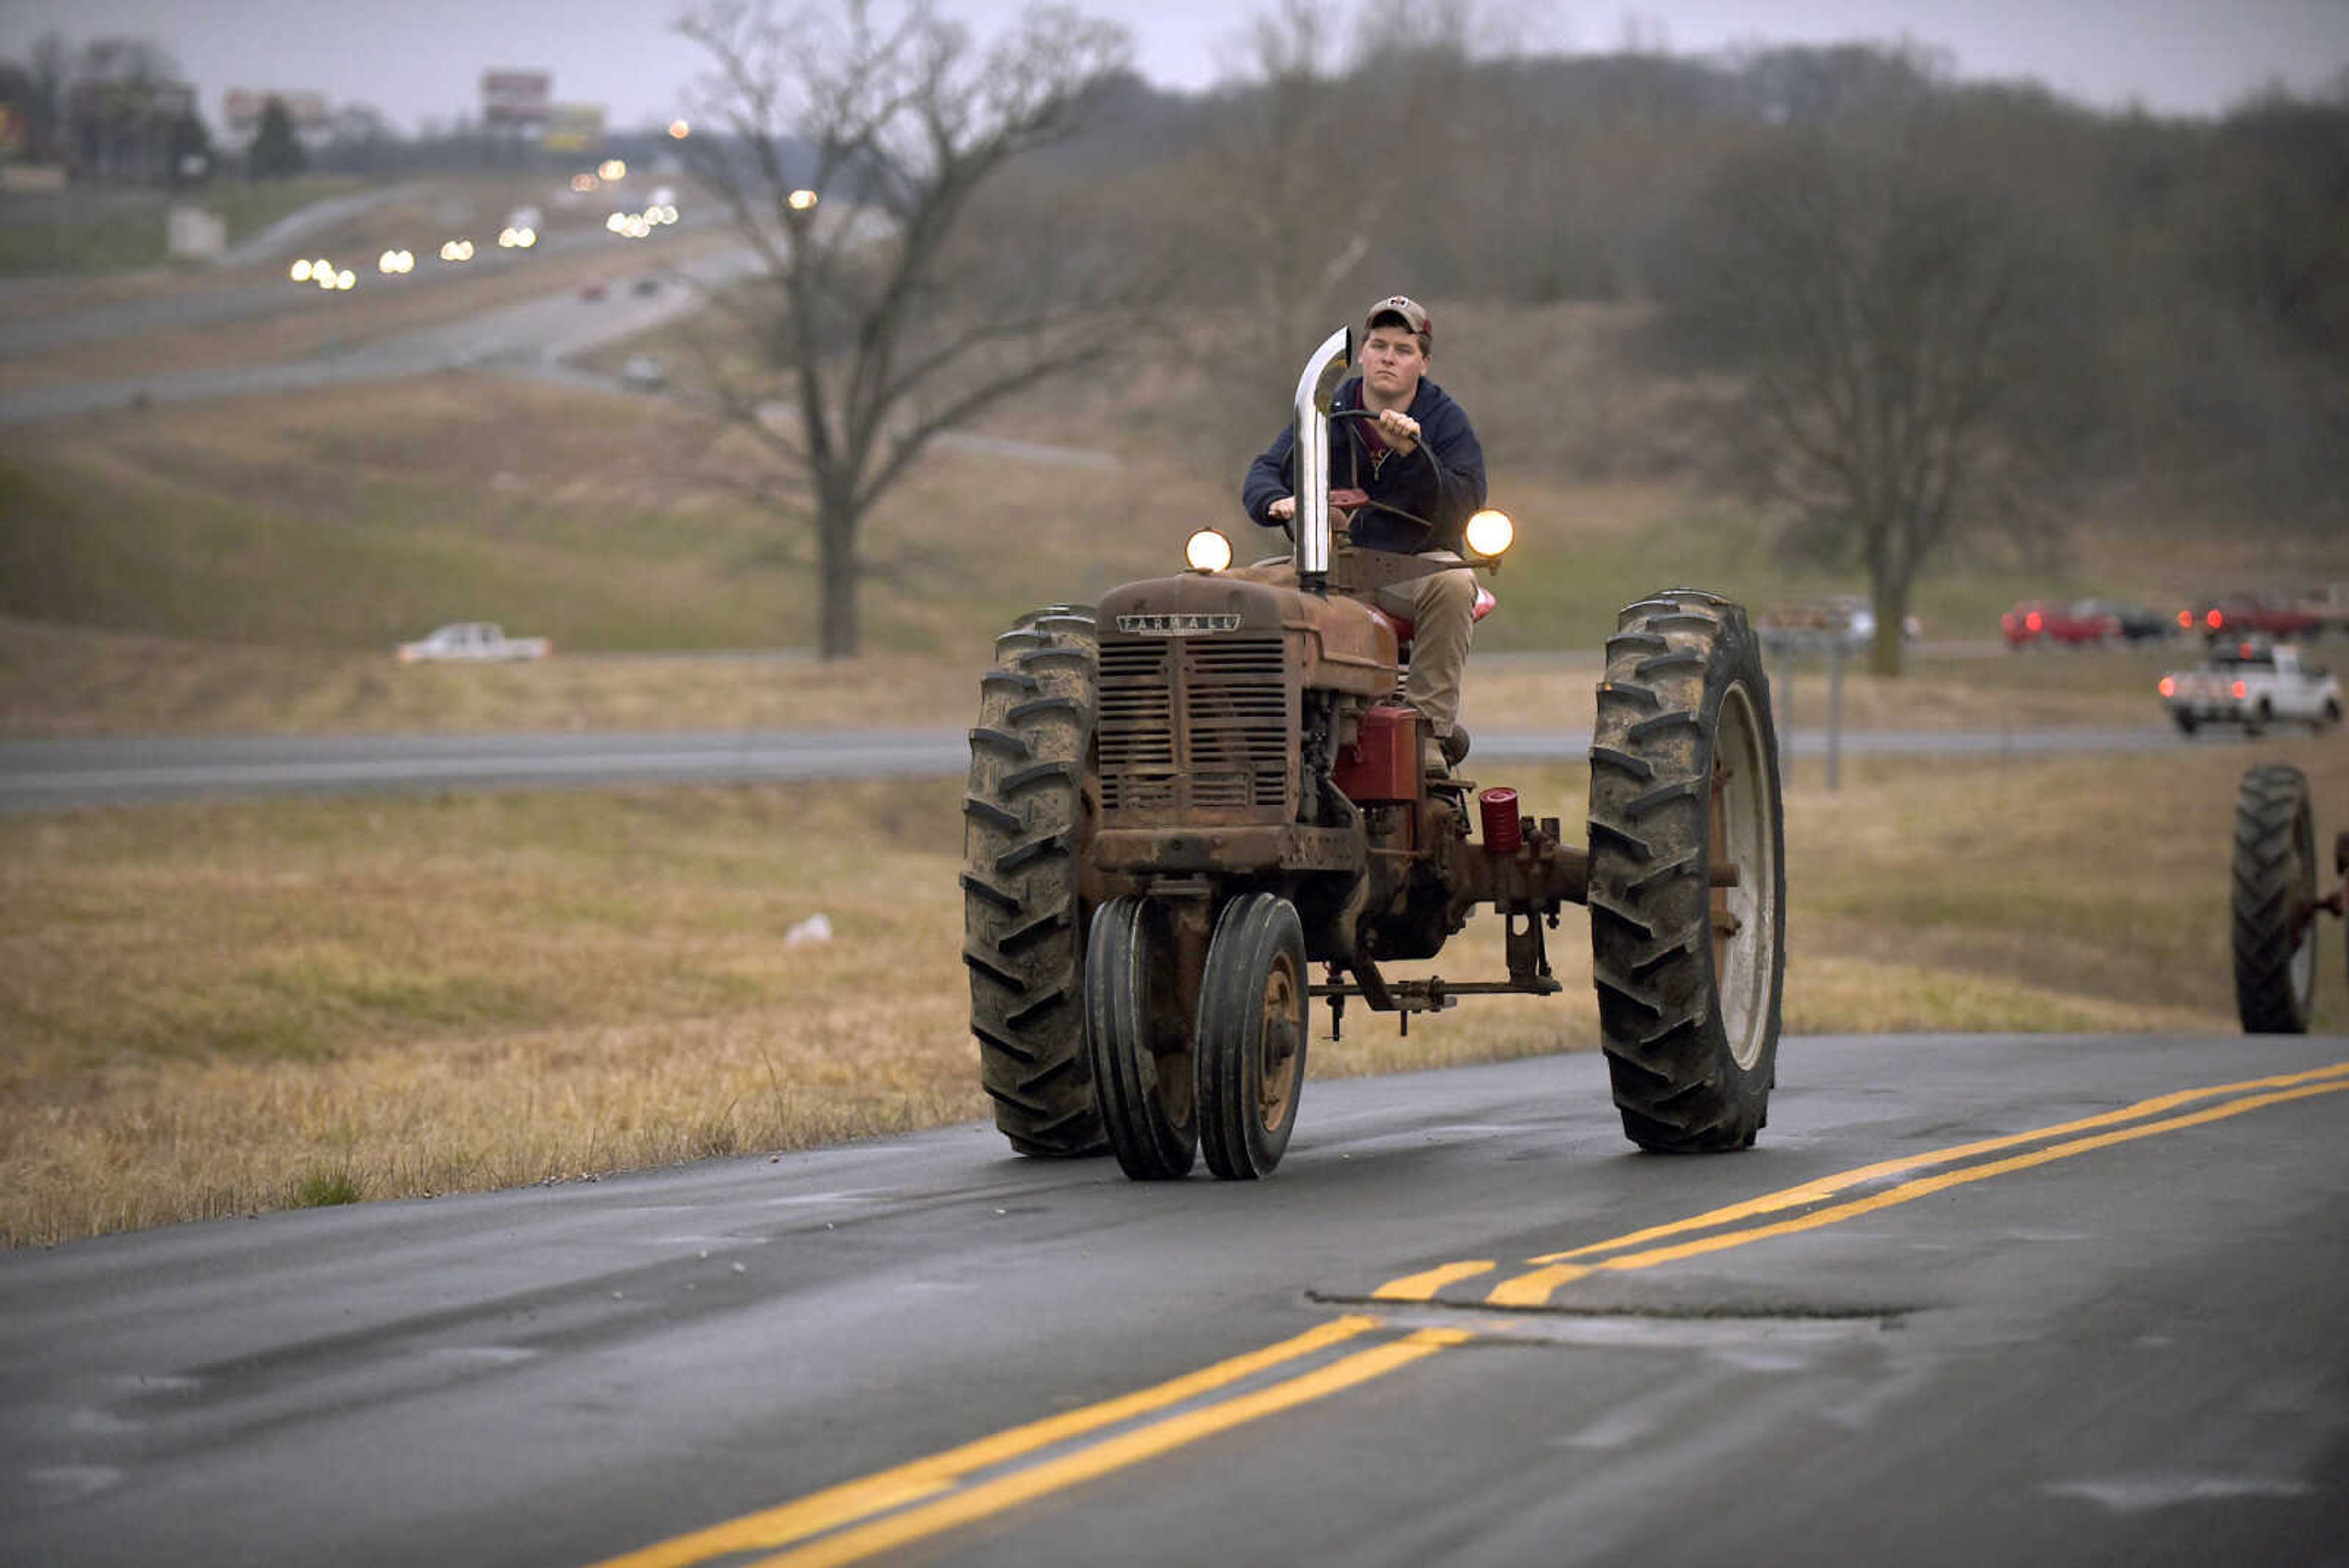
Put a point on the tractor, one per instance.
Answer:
(1187, 802)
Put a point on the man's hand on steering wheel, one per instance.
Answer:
(1399, 431)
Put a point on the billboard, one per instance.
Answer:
(573, 127)
(241, 111)
(515, 97)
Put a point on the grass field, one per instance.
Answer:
(343, 522)
(56, 682)
(248, 565)
(213, 1009)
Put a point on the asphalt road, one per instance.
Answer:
(51, 775)
(1973, 1300)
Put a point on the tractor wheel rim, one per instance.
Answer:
(1745, 917)
(1277, 1033)
(2303, 877)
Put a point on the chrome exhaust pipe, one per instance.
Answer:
(1315, 388)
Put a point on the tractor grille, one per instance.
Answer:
(1135, 732)
(1195, 724)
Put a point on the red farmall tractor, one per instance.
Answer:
(1185, 804)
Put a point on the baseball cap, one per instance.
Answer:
(1413, 314)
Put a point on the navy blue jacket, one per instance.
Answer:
(1445, 492)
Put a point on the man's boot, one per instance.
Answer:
(1438, 755)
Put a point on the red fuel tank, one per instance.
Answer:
(1383, 761)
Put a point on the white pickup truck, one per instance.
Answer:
(2253, 684)
(473, 641)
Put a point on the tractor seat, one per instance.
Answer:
(1405, 626)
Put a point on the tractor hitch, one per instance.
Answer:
(1529, 975)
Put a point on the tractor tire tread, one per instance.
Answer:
(995, 816)
(2273, 877)
(1023, 913)
(1638, 696)
(1637, 767)
(981, 889)
(1676, 1085)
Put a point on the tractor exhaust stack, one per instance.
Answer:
(1315, 388)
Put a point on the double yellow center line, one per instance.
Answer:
(893, 1508)
(1812, 1206)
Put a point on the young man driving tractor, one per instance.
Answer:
(1411, 476)
(1195, 806)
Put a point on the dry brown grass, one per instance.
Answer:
(317, 523)
(213, 1008)
(1988, 695)
(56, 682)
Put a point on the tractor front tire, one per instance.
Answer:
(2273, 914)
(1139, 1041)
(1248, 1053)
(1027, 825)
(1683, 783)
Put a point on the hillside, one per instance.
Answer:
(342, 521)
(247, 566)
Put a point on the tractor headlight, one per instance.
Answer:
(1207, 551)
(1490, 533)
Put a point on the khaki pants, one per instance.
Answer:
(1443, 606)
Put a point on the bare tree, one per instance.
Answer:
(1900, 330)
(1320, 146)
(1278, 167)
(851, 145)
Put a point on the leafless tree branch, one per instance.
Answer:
(861, 138)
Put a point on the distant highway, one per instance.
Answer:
(538, 338)
(180, 309)
(53, 775)
(537, 334)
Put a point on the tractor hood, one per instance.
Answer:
(1340, 644)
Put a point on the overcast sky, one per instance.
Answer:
(419, 59)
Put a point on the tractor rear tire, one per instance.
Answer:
(1139, 1041)
(1248, 1051)
(1683, 780)
(2274, 906)
(1027, 827)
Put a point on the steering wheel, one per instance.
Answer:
(1418, 446)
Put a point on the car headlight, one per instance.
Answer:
(1207, 551)
(1490, 533)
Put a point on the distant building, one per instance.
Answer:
(122, 132)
